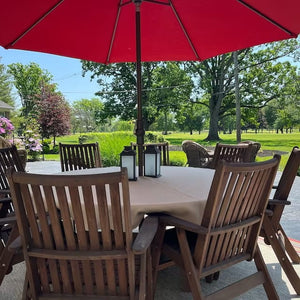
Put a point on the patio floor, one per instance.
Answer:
(169, 286)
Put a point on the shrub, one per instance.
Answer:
(46, 147)
(6, 127)
(55, 150)
(83, 138)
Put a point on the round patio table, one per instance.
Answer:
(180, 191)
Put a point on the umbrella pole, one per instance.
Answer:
(140, 132)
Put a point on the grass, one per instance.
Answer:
(111, 144)
(269, 141)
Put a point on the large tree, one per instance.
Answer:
(53, 113)
(85, 114)
(5, 86)
(118, 89)
(171, 89)
(29, 81)
(263, 76)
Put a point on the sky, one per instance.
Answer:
(66, 72)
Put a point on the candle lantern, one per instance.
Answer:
(152, 161)
(128, 160)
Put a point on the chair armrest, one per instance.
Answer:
(4, 191)
(173, 221)
(146, 234)
(15, 245)
(5, 200)
(8, 220)
(268, 212)
(278, 202)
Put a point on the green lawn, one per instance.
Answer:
(111, 144)
(269, 141)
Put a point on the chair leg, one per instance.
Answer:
(190, 272)
(281, 255)
(26, 290)
(7, 255)
(156, 252)
(289, 247)
(149, 277)
(268, 284)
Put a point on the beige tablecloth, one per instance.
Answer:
(180, 191)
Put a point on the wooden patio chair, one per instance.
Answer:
(197, 156)
(79, 156)
(163, 148)
(255, 148)
(231, 153)
(86, 249)
(228, 232)
(272, 230)
(9, 158)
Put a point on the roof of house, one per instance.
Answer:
(4, 106)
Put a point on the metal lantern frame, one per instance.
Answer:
(128, 160)
(152, 161)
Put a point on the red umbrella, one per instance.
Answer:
(109, 31)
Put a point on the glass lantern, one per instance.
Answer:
(152, 161)
(128, 160)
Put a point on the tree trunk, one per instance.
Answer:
(213, 134)
(165, 123)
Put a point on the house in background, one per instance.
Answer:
(5, 109)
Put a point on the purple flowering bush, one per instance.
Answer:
(33, 145)
(6, 127)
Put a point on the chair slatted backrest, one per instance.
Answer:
(234, 211)
(231, 153)
(9, 158)
(197, 156)
(79, 156)
(64, 249)
(255, 148)
(163, 148)
(285, 184)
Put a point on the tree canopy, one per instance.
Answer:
(53, 113)
(5, 86)
(266, 73)
(29, 81)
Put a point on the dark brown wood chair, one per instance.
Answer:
(231, 153)
(255, 148)
(163, 148)
(197, 156)
(79, 156)
(9, 158)
(229, 230)
(86, 249)
(272, 230)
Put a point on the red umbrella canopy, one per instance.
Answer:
(104, 30)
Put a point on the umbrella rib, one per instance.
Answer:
(114, 31)
(34, 24)
(184, 31)
(268, 18)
